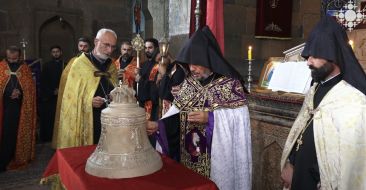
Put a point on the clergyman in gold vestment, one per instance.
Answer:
(91, 77)
(83, 47)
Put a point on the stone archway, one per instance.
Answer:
(56, 31)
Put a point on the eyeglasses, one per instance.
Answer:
(107, 45)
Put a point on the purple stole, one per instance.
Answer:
(195, 139)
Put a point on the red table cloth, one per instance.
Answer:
(69, 164)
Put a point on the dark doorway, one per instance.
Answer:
(57, 31)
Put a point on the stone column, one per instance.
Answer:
(159, 12)
(179, 17)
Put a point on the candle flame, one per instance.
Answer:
(250, 53)
(351, 43)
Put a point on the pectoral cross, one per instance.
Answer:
(299, 143)
(24, 46)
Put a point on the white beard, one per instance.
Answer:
(100, 55)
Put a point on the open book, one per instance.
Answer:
(291, 77)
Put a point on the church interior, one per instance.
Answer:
(36, 25)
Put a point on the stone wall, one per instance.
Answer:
(359, 39)
(239, 18)
(25, 19)
(179, 17)
(29, 19)
(159, 10)
(44, 23)
(240, 33)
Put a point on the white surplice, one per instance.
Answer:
(339, 135)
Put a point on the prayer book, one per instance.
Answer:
(292, 76)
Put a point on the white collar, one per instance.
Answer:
(322, 82)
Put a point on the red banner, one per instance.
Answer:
(273, 19)
(215, 20)
(212, 15)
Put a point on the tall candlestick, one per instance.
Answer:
(249, 74)
(250, 53)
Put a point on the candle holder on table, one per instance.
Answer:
(250, 79)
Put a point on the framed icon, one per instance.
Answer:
(267, 71)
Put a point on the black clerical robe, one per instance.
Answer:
(174, 76)
(50, 80)
(104, 88)
(148, 91)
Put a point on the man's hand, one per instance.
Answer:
(162, 69)
(151, 127)
(15, 94)
(98, 102)
(120, 74)
(158, 79)
(137, 71)
(137, 78)
(198, 117)
(55, 92)
(137, 74)
(286, 175)
(158, 57)
(175, 90)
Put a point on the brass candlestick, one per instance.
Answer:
(163, 47)
(249, 74)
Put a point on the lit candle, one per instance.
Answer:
(250, 53)
(351, 43)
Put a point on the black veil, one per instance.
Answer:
(202, 49)
(328, 40)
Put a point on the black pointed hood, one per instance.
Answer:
(328, 40)
(202, 49)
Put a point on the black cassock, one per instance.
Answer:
(172, 79)
(172, 123)
(103, 90)
(148, 90)
(11, 115)
(50, 80)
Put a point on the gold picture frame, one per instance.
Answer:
(267, 71)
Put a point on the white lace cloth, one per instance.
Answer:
(231, 154)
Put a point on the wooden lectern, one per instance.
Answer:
(272, 115)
